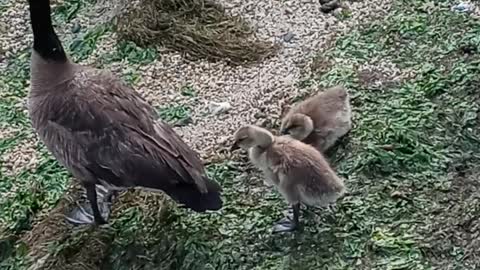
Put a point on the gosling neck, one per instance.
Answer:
(45, 40)
(265, 139)
(308, 127)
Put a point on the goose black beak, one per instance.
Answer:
(234, 147)
(284, 131)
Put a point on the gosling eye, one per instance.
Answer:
(241, 140)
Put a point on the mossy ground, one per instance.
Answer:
(410, 164)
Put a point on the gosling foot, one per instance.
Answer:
(290, 222)
(285, 225)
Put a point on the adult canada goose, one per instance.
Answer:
(320, 120)
(300, 172)
(103, 131)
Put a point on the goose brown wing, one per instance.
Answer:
(121, 141)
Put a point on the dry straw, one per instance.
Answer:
(54, 244)
(197, 28)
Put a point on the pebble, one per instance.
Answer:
(330, 6)
(218, 108)
(288, 36)
(463, 7)
(76, 28)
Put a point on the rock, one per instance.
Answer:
(260, 115)
(183, 122)
(288, 36)
(330, 6)
(76, 28)
(468, 49)
(219, 107)
(463, 7)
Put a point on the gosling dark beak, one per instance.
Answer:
(284, 131)
(234, 147)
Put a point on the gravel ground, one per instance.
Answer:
(20, 158)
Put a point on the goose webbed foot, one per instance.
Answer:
(83, 214)
(105, 195)
(110, 196)
(94, 211)
(290, 222)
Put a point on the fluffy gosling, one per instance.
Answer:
(299, 172)
(320, 120)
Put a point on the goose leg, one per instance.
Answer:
(110, 196)
(290, 222)
(88, 213)
(92, 198)
(79, 215)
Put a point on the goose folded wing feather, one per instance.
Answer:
(123, 141)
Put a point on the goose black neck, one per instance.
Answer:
(45, 41)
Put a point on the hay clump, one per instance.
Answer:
(197, 28)
(52, 232)
(55, 244)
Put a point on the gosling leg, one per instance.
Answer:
(289, 223)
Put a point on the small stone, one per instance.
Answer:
(260, 115)
(76, 28)
(463, 7)
(219, 107)
(339, 13)
(398, 194)
(288, 36)
(183, 122)
(388, 147)
(330, 6)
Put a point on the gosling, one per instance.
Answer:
(299, 172)
(320, 120)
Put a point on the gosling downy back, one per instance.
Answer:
(321, 119)
(103, 131)
(303, 173)
(299, 171)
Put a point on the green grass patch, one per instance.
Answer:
(23, 197)
(132, 53)
(69, 9)
(3, 8)
(409, 135)
(233, 238)
(8, 143)
(175, 114)
(130, 76)
(27, 193)
(188, 91)
(82, 46)
(13, 82)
